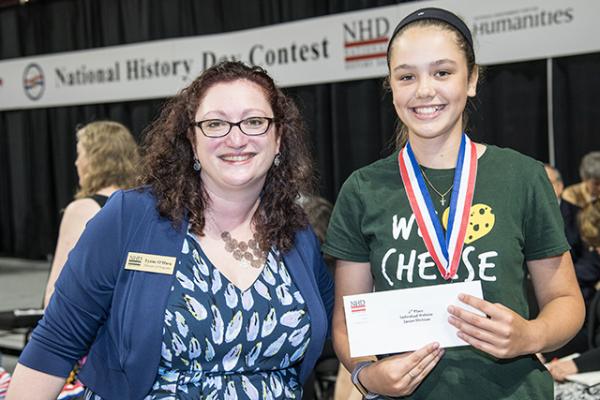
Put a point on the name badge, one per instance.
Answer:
(150, 263)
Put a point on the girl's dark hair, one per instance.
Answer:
(463, 45)
(168, 159)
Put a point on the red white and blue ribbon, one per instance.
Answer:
(445, 249)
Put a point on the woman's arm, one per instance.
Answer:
(76, 215)
(397, 375)
(505, 334)
(29, 384)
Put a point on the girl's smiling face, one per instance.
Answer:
(430, 81)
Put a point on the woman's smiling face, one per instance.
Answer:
(430, 81)
(235, 161)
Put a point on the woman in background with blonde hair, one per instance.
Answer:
(107, 158)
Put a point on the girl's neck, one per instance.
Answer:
(437, 153)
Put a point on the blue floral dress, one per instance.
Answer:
(220, 342)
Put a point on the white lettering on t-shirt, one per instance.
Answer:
(475, 266)
(465, 258)
(408, 267)
(425, 261)
(383, 269)
(484, 264)
(404, 227)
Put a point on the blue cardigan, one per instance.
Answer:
(117, 315)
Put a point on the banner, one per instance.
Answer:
(333, 48)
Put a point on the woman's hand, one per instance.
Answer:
(503, 333)
(561, 369)
(401, 374)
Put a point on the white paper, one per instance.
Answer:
(395, 321)
(586, 378)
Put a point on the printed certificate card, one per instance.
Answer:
(395, 321)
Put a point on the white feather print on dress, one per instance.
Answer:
(269, 323)
(200, 281)
(234, 327)
(185, 248)
(299, 352)
(247, 300)
(231, 358)
(231, 296)
(284, 274)
(298, 335)
(253, 327)
(184, 281)
(181, 324)
(292, 318)
(230, 392)
(248, 388)
(266, 392)
(194, 348)
(276, 385)
(177, 344)
(283, 294)
(298, 297)
(262, 289)
(195, 308)
(217, 327)
(209, 354)
(275, 346)
(268, 276)
(217, 283)
(200, 262)
(253, 354)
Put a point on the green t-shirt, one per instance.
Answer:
(514, 218)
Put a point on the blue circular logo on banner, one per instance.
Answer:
(33, 81)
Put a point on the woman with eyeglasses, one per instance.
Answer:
(207, 282)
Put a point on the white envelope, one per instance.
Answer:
(395, 321)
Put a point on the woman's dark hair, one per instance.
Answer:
(168, 159)
(463, 45)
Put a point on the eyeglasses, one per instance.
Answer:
(216, 128)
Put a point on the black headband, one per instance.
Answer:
(433, 13)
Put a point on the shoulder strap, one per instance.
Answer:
(100, 199)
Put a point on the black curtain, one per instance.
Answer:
(351, 123)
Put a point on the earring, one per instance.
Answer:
(197, 167)
(277, 160)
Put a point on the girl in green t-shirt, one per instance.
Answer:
(511, 227)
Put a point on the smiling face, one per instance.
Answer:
(235, 161)
(430, 81)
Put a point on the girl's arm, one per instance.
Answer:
(397, 375)
(505, 334)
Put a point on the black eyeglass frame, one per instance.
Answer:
(198, 124)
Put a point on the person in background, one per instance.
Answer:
(390, 221)
(555, 179)
(575, 198)
(589, 360)
(207, 282)
(107, 160)
(588, 189)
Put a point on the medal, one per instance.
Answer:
(444, 248)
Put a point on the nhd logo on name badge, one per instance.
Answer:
(150, 263)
